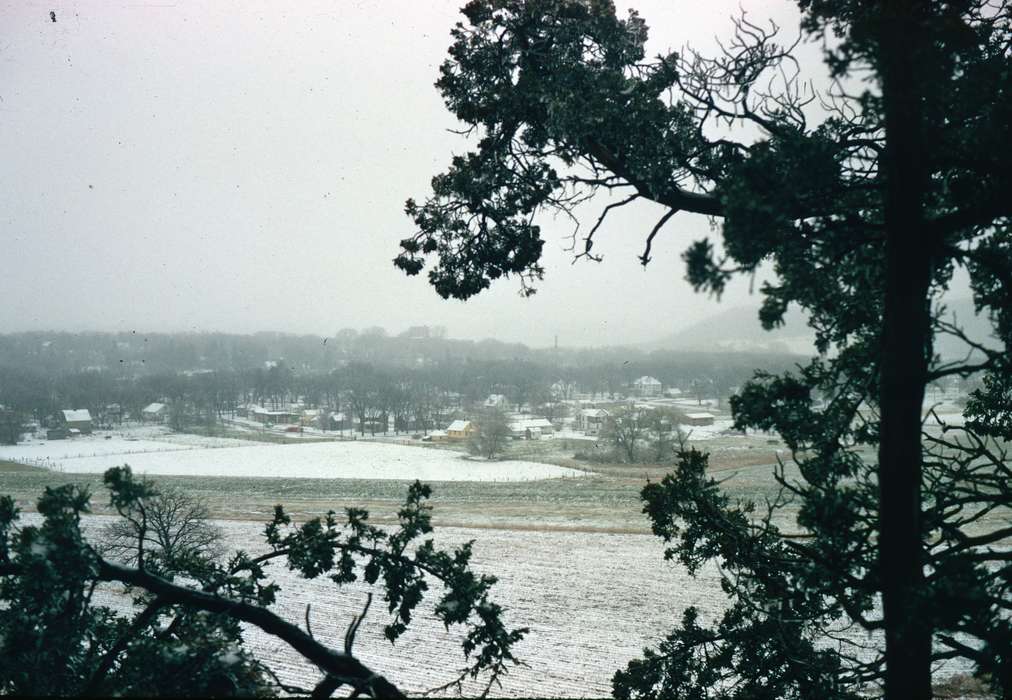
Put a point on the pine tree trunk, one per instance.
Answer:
(904, 361)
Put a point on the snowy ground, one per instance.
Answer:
(161, 453)
(304, 432)
(128, 441)
(707, 432)
(592, 602)
(570, 434)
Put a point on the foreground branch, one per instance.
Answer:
(340, 666)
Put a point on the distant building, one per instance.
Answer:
(700, 418)
(590, 420)
(424, 332)
(154, 412)
(531, 428)
(76, 419)
(495, 401)
(460, 430)
(339, 421)
(374, 424)
(647, 386)
(56, 434)
(562, 390)
(262, 415)
(113, 412)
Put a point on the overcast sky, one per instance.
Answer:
(226, 166)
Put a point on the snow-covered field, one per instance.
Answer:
(707, 432)
(162, 454)
(127, 443)
(591, 601)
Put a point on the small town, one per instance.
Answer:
(640, 349)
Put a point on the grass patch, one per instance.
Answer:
(605, 498)
(592, 501)
(7, 466)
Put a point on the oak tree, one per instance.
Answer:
(490, 438)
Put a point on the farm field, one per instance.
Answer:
(603, 500)
(229, 457)
(244, 480)
(574, 557)
(125, 442)
(591, 601)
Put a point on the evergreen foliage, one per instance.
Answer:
(866, 198)
(184, 638)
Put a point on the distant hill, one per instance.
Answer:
(738, 330)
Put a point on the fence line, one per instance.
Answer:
(41, 462)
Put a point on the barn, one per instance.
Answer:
(154, 412)
(76, 419)
(701, 418)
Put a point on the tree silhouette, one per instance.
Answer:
(865, 204)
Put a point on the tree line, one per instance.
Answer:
(414, 397)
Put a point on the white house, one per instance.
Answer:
(436, 436)
(531, 428)
(647, 386)
(310, 417)
(590, 420)
(155, 412)
(495, 401)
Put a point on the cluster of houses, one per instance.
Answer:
(298, 417)
(590, 421)
(71, 422)
(520, 428)
(588, 417)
